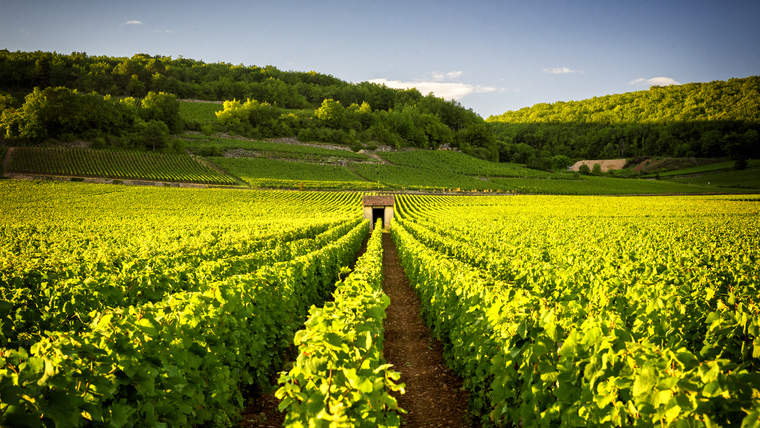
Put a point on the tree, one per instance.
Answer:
(560, 163)
(331, 113)
(163, 107)
(584, 169)
(153, 134)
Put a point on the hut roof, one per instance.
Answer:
(378, 201)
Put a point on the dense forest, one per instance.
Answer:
(275, 103)
(716, 119)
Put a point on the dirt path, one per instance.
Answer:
(7, 160)
(434, 395)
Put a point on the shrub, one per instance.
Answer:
(539, 163)
(596, 169)
(560, 163)
(740, 163)
(584, 169)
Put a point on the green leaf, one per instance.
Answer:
(104, 321)
(521, 328)
(146, 326)
(645, 381)
(119, 415)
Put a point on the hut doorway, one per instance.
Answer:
(378, 214)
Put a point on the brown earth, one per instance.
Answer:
(434, 395)
(606, 164)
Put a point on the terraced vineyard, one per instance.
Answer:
(201, 144)
(593, 311)
(113, 164)
(273, 173)
(156, 306)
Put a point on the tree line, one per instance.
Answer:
(66, 114)
(288, 101)
(715, 119)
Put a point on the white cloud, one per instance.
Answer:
(659, 81)
(132, 23)
(164, 31)
(561, 70)
(449, 91)
(449, 75)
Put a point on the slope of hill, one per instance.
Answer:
(715, 119)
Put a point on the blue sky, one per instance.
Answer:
(492, 56)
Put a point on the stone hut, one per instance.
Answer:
(379, 208)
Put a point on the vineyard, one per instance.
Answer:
(462, 164)
(130, 306)
(592, 311)
(201, 144)
(157, 306)
(113, 164)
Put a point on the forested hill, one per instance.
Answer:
(21, 72)
(399, 117)
(720, 118)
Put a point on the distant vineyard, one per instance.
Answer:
(273, 173)
(462, 164)
(113, 164)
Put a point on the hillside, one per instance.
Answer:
(47, 95)
(715, 119)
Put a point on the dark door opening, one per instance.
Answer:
(377, 214)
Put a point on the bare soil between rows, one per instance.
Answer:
(434, 395)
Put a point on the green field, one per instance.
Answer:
(590, 185)
(273, 173)
(294, 166)
(409, 178)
